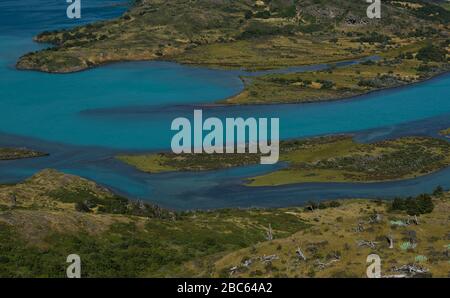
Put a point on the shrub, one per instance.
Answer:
(311, 205)
(439, 191)
(374, 37)
(263, 14)
(432, 53)
(81, 207)
(425, 68)
(288, 12)
(326, 84)
(414, 206)
(262, 29)
(311, 28)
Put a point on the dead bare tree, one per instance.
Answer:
(270, 258)
(390, 240)
(13, 199)
(375, 218)
(370, 244)
(332, 258)
(410, 269)
(359, 228)
(247, 263)
(300, 254)
(269, 233)
(414, 220)
(395, 276)
(233, 270)
(323, 265)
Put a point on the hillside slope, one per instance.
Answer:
(52, 215)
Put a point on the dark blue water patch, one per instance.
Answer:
(382, 109)
(426, 127)
(189, 71)
(298, 194)
(224, 189)
(60, 155)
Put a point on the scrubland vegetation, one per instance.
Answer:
(323, 159)
(41, 224)
(239, 34)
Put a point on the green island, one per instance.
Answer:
(322, 159)
(18, 153)
(52, 214)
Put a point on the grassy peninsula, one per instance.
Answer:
(323, 159)
(411, 37)
(52, 215)
(343, 160)
(411, 64)
(239, 34)
(18, 153)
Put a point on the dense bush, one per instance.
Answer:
(85, 200)
(439, 191)
(314, 27)
(425, 68)
(414, 206)
(311, 205)
(407, 55)
(262, 29)
(432, 53)
(82, 207)
(288, 12)
(374, 37)
(131, 250)
(433, 13)
(265, 14)
(370, 83)
(326, 84)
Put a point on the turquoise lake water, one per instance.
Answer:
(83, 119)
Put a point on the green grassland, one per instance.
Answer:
(169, 162)
(323, 159)
(391, 71)
(44, 224)
(18, 153)
(52, 190)
(237, 34)
(343, 160)
(274, 52)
